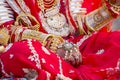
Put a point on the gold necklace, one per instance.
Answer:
(46, 4)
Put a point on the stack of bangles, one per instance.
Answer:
(113, 7)
(53, 42)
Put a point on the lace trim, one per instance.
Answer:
(3, 71)
(82, 40)
(111, 70)
(35, 56)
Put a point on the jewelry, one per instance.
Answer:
(55, 42)
(2, 49)
(7, 10)
(31, 34)
(25, 16)
(98, 18)
(51, 11)
(49, 4)
(2, 14)
(114, 6)
(45, 4)
(41, 4)
(17, 33)
(19, 11)
(5, 20)
(4, 36)
(6, 14)
(54, 22)
(63, 31)
(14, 6)
(3, 4)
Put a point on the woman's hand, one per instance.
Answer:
(70, 53)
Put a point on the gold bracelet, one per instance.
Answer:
(4, 36)
(2, 49)
(25, 16)
(32, 34)
(115, 8)
(55, 42)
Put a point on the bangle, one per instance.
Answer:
(114, 8)
(4, 36)
(6, 20)
(57, 40)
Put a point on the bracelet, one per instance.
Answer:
(4, 36)
(6, 20)
(113, 7)
(2, 49)
(55, 42)
(7, 10)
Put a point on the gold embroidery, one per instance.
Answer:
(48, 40)
(55, 42)
(98, 18)
(115, 6)
(20, 21)
(44, 5)
(53, 21)
(4, 36)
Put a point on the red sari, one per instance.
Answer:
(100, 53)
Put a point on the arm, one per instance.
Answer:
(101, 16)
(94, 20)
(10, 32)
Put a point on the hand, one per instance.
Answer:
(53, 42)
(70, 53)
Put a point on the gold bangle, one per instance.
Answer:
(56, 41)
(115, 8)
(4, 36)
(25, 16)
(2, 49)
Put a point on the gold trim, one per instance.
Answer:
(55, 42)
(80, 25)
(98, 18)
(4, 36)
(19, 21)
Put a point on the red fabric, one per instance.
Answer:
(94, 67)
(20, 60)
(92, 5)
(93, 62)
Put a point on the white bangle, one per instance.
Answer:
(5, 20)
